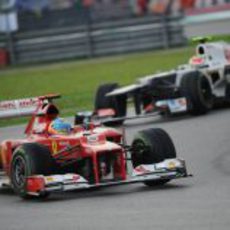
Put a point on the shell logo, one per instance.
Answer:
(171, 165)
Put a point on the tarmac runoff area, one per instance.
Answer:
(201, 202)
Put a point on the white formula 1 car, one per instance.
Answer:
(193, 87)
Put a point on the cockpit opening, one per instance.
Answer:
(200, 50)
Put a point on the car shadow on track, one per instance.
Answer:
(104, 193)
(6, 192)
(157, 120)
(118, 191)
(173, 118)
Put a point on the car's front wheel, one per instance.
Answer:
(118, 103)
(152, 146)
(30, 159)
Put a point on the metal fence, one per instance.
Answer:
(94, 38)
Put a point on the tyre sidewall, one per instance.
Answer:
(159, 146)
(191, 88)
(21, 153)
(208, 103)
(38, 161)
(118, 103)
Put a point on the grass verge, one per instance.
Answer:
(77, 81)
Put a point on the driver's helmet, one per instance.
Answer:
(59, 126)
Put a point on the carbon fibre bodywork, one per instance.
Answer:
(89, 156)
(161, 90)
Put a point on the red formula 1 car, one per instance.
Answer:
(88, 156)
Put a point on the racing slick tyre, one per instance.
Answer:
(152, 146)
(227, 93)
(227, 87)
(30, 159)
(197, 90)
(117, 103)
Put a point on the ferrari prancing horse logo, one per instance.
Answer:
(54, 147)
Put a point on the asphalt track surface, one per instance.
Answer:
(214, 27)
(201, 202)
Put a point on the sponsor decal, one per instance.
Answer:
(197, 60)
(18, 107)
(19, 104)
(182, 101)
(28, 102)
(177, 105)
(64, 143)
(7, 105)
(142, 170)
(227, 54)
(171, 165)
(49, 179)
(76, 178)
(92, 139)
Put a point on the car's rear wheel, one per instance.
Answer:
(30, 159)
(118, 103)
(197, 90)
(152, 146)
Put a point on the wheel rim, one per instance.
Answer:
(19, 171)
(139, 152)
(139, 147)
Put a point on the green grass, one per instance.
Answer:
(77, 81)
(221, 38)
(214, 38)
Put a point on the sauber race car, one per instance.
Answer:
(55, 156)
(193, 88)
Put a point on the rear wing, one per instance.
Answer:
(24, 107)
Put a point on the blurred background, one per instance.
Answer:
(33, 31)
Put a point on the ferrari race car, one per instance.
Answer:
(193, 88)
(83, 157)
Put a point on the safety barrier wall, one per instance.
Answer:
(94, 39)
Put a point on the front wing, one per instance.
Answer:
(174, 106)
(167, 170)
